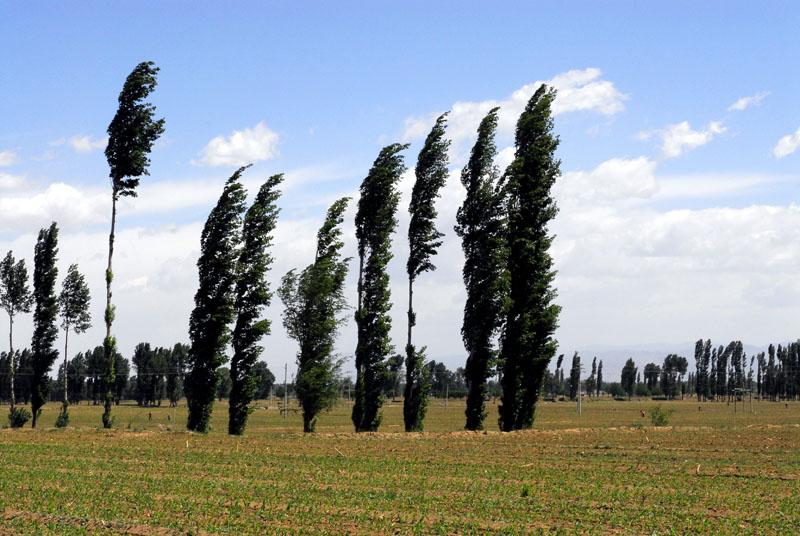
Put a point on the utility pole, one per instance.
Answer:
(285, 391)
(446, 395)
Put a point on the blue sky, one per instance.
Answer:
(679, 208)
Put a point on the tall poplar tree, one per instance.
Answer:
(252, 295)
(45, 331)
(15, 298)
(375, 223)
(215, 304)
(73, 308)
(314, 300)
(131, 136)
(423, 240)
(599, 385)
(532, 318)
(480, 224)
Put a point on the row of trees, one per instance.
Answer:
(71, 305)
(724, 371)
(503, 224)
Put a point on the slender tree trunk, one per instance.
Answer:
(109, 317)
(66, 342)
(411, 320)
(11, 359)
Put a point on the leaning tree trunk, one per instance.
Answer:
(11, 359)
(108, 344)
(66, 342)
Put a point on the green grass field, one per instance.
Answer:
(712, 471)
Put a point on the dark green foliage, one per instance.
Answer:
(628, 378)
(532, 317)
(660, 417)
(152, 368)
(652, 373)
(672, 374)
(176, 371)
(15, 298)
(445, 382)
(17, 417)
(375, 222)
(265, 379)
(481, 226)
(45, 310)
(591, 381)
(73, 308)
(314, 301)
(224, 383)
(133, 131)
(131, 135)
(575, 377)
(394, 376)
(62, 421)
(214, 310)
(423, 240)
(252, 295)
(599, 386)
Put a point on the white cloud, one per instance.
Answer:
(8, 158)
(679, 139)
(242, 147)
(70, 207)
(618, 179)
(11, 182)
(81, 144)
(787, 145)
(746, 102)
(578, 90)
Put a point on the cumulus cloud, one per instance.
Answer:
(82, 144)
(787, 145)
(746, 102)
(578, 90)
(680, 138)
(59, 202)
(618, 179)
(11, 182)
(8, 158)
(240, 148)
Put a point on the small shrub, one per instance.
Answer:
(18, 417)
(63, 417)
(660, 417)
(526, 491)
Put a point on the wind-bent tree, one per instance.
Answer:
(481, 226)
(375, 222)
(215, 301)
(423, 240)
(73, 308)
(532, 317)
(252, 295)
(314, 300)
(131, 136)
(15, 298)
(45, 310)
